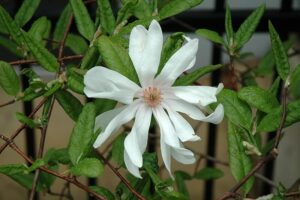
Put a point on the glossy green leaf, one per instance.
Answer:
(209, 173)
(295, 82)
(210, 35)
(10, 46)
(228, 26)
(46, 59)
(90, 58)
(118, 150)
(239, 162)
(126, 10)
(259, 98)
(81, 138)
(171, 45)
(9, 80)
(62, 24)
(107, 18)
(69, 103)
(116, 58)
(236, 110)
(103, 192)
(40, 29)
(280, 55)
(191, 77)
(76, 43)
(26, 11)
(84, 23)
(89, 167)
(175, 7)
(247, 28)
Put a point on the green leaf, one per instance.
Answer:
(172, 44)
(76, 43)
(82, 134)
(280, 55)
(126, 10)
(26, 120)
(275, 86)
(107, 17)
(46, 59)
(103, 192)
(57, 156)
(69, 103)
(46, 180)
(295, 82)
(271, 121)
(89, 167)
(248, 27)
(195, 75)
(75, 81)
(26, 11)
(210, 35)
(103, 105)
(239, 162)
(259, 98)
(180, 177)
(236, 110)
(90, 58)
(150, 160)
(9, 80)
(228, 26)
(127, 29)
(10, 46)
(62, 24)
(209, 173)
(37, 163)
(142, 10)
(83, 20)
(40, 29)
(175, 7)
(118, 150)
(116, 58)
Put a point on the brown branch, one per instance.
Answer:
(54, 173)
(63, 41)
(18, 131)
(122, 178)
(8, 103)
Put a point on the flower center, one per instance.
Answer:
(152, 96)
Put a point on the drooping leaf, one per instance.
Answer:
(116, 58)
(237, 111)
(210, 35)
(175, 7)
(89, 167)
(240, 163)
(83, 20)
(26, 120)
(103, 192)
(9, 80)
(40, 29)
(228, 26)
(26, 11)
(118, 150)
(62, 24)
(248, 27)
(259, 98)
(191, 77)
(209, 173)
(69, 103)
(107, 17)
(76, 43)
(280, 55)
(82, 134)
(180, 177)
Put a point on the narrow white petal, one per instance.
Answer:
(103, 119)
(132, 168)
(217, 116)
(151, 54)
(132, 148)
(123, 117)
(202, 95)
(183, 59)
(192, 63)
(101, 82)
(166, 154)
(183, 155)
(183, 129)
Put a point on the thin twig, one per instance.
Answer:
(8, 103)
(122, 178)
(63, 41)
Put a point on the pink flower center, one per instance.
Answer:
(152, 96)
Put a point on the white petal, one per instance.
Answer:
(202, 95)
(178, 63)
(132, 168)
(123, 117)
(166, 154)
(142, 124)
(217, 116)
(132, 148)
(148, 64)
(166, 127)
(103, 119)
(183, 155)
(101, 82)
(191, 64)
(183, 129)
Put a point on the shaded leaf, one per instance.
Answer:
(26, 11)
(180, 177)
(76, 43)
(10, 46)
(103, 192)
(40, 29)
(118, 150)
(210, 35)
(126, 10)
(89, 167)
(90, 58)
(295, 82)
(209, 173)
(228, 26)
(9, 80)
(107, 17)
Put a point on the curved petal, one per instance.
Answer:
(132, 148)
(183, 129)
(123, 117)
(217, 116)
(132, 168)
(183, 155)
(202, 95)
(150, 57)
(178, 63)
(103, 119)
(192, 63)
(101, 82)
(166, 154)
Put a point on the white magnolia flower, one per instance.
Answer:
(155, 95)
